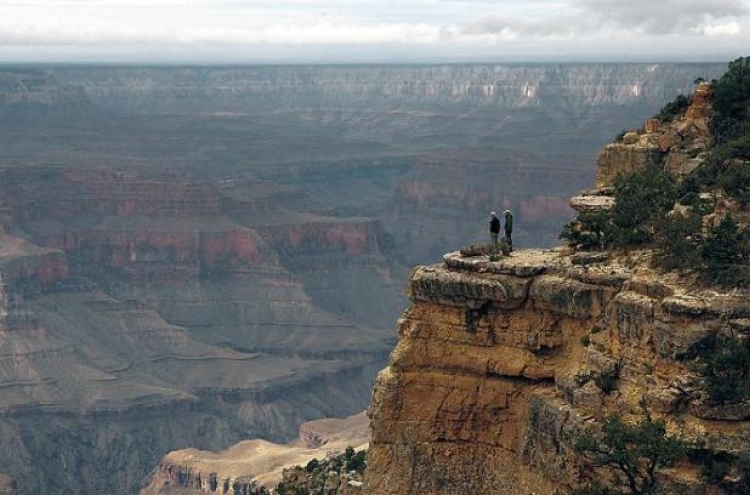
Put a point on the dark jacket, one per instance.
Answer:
(508, 225)
(495, 225)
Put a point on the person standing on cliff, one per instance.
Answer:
(509, 229)
(494, 229)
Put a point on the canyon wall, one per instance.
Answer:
(195, 257)
(256, 466)
(144, 314)
(242, 89)
(498, 363)
(501, 364)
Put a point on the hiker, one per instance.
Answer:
(494, 229)
(509, 229)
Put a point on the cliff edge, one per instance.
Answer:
(501, 364)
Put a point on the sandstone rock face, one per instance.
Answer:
(248, 466)
(498, 362)
(677, 145)
(700, 106)
(624, 158)
(34, 89)
(147, 90)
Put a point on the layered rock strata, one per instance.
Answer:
(135, 296)
(498, 362)
(250, 466)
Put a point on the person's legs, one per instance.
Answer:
(493, 237)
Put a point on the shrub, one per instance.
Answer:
(714, 466)
(640, 199)
(677, 239)
(312, 465)
(589, 231)
(607, 379)
(723, 253)
(731, 101)
(690, 198)
(726, 369)
(634, 452)
(355, 462)
(673, 109)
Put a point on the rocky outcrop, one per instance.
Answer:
(679, 144)
(497, 362)
(500, 362)
(625, 158)
(254, 466)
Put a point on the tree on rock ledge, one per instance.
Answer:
(633, 452)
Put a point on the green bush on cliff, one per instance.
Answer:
(641, 199)
(726, 167)
(673, 109)
(724, 255)
(633, 452)
(725, 368)
(591, 230)
(324, 477)
(731, 102)
(730, 126)
(355, 461)
(677, 239)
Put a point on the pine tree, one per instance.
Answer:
(723, 254)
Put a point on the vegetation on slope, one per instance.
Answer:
(700, 227)
(647, 211)
(336, 474)
(633, 452)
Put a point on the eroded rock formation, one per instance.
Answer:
(145, 313)
(249, 467)
(498, 362)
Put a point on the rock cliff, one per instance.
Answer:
(499, 364)
(498, 361)
(255, 466)
(239, 89)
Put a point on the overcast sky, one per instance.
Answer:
(226, 31)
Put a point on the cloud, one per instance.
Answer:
(443, 28)
(515, 27)
(728, 29)
(587, 19)
(663, 16)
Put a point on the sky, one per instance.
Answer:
(372, 31)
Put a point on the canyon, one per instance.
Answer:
(192, 257)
